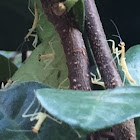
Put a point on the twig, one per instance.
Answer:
(100, 47)
(106, 65)
(72, 42)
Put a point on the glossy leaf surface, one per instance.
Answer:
(14, 101)
(91, 110)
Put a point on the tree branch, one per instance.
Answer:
(72, 42)
(100, 47)
(106, 65)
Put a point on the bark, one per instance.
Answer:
(100, 47)
(73, 44)
(100, 134)
(106, 65)
(125, 131)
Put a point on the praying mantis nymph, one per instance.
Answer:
(8, 84)
(121, 52)
(34, 23)
(39, 116)
(121, 62)
(46, 56)
(97, 81)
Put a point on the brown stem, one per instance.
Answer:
(98, 134)
(106, 65)
(100, 47)
(125, 131)
(72, 42)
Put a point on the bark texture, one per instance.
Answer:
(100, 47)
(106, 65)
(73, 44)
(125, 131)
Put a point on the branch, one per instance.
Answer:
(72, 42)
(100, 47)
(106, 65)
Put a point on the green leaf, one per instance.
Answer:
(45, 29)
(133, 63)
(91, 110)
(53, 71)
(5, 133)
(48, 71)
(70, 3)
(79, 13)
(7, 68)
(14, 101)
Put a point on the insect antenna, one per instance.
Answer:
(11, 130)
(119, 36)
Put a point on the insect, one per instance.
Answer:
(46, 56)
(49, 57)
(120, 61)
(8, 84)
(63, 82)
(121, 52)
(38, 115)
(33, 26)
(95, 80)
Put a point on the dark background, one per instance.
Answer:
(16, 20)
(126, 15)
